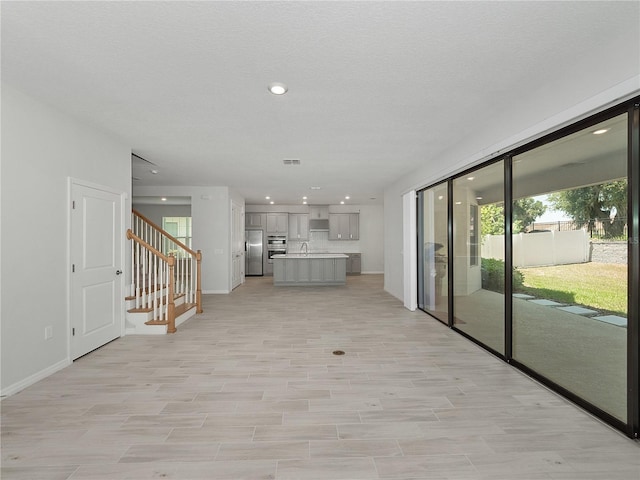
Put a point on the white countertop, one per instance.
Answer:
(311, 255)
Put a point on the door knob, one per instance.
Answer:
(118, 272)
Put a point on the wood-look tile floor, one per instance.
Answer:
(251, 390)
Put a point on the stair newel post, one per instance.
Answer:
(199, 281)
(171, 306)
(132, 291)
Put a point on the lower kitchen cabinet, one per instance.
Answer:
(309, 271)
(354, 263)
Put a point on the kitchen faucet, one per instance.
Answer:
(304, 247)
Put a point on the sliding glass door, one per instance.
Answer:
(535, 256)
(432, 252)
(478, 249)
(570, 301)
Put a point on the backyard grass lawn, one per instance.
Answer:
(602, 286)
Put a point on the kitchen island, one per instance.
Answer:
(309, 270)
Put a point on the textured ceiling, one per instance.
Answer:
(376, 89)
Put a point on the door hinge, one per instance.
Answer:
(73, 204)
(73, 332)
(73, 268)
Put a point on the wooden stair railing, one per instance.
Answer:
(188, 266)
(153, 273)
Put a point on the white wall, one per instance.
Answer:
(155, 213)
(559, 102)
(211, 225)
(41, 149)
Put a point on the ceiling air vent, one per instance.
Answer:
(291, 161)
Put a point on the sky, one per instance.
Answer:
(550, 215)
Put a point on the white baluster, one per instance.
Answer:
(191, 278)
(165, 283)
(155, 295)
(138, 279)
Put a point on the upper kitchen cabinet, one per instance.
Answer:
(344, 226)
(277, 223)
(255, 220)
(298, 226)
(318, 212)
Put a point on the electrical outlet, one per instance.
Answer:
(48, 333)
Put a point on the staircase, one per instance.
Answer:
(165, 280)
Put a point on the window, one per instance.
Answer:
(178, 227)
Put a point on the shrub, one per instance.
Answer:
(493, 273)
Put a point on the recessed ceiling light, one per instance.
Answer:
(164, 199)
(155, 172)
(458, 203)
(478, 198)
(278, 88)
(347, 197)
(440, 197)
(267, 197)
(316, 188)
(342, 202)
(601, 131)
(304, 198)
(272, 202)
(304, 202)
(470, 178)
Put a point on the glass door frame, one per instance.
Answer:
(632, 107)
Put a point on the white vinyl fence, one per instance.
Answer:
(543, 248)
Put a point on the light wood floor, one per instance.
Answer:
(251, 390)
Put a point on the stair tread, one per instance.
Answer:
(179, 310)
(149, 309)
(185, 307)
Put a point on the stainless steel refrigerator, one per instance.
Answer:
(254, 251)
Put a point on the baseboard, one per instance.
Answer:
(215, 292)
(372, 273)
(36, 377)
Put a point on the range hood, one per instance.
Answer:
(316, 225)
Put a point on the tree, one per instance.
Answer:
(596, 202)
(524, 211)
(492, 219)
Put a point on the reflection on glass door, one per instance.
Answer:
(478, 255)
(433, 278)
(570, 297)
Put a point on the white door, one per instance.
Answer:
(96, 266)
(237, 245)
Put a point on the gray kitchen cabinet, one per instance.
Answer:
(344, 226)
(316, 270)
(354, 226)
(255, 220)
(277, 223)
(319, 212)
(354, 264)
(299, 226)
(309, 271)
(278, 269)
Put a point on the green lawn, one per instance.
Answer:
(601, 286)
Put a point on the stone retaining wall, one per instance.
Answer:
(609, 252)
